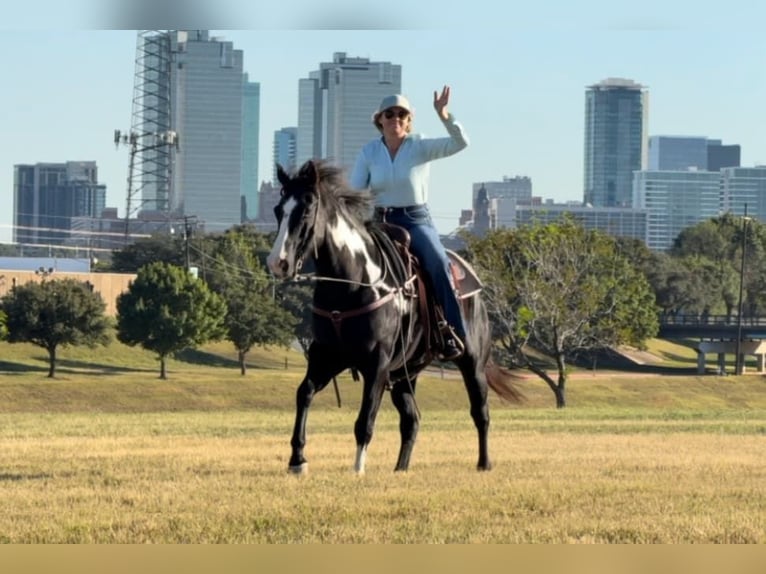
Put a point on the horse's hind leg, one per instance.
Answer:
(476, 385)
(403, 397)
(323, 366)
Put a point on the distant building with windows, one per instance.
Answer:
(209, 104)
(614, 221)
(675, 200)
(48, 196)
(720, 156)
(680, 153)
(335, 106)
(285, 140)
(251, 117)
(616, 116)
(742, 186)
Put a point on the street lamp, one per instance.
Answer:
(738, 362)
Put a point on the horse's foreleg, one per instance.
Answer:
(374, 385)
(476, 386)
(303, 398)
(320, 372)
(403, 397)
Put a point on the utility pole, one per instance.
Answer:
(188, 227)
(738, 362)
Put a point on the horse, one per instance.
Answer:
(365, 315)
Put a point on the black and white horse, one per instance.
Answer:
(365, 317)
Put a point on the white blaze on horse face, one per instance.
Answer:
(342, 235)
(278, 250)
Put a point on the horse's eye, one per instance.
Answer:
(282, 192)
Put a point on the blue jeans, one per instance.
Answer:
(428, 248)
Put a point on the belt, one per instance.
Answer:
(395, 210)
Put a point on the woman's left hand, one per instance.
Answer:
(440, 103)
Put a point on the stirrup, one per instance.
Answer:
(453, 348)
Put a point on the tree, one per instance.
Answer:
(297, 300)
(55, 313)
(561, 290)
(148, 250)
(3, 326)
(166, 310)
(253, 317)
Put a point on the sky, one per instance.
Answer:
(518, 77)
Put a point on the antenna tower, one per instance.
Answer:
(151, 140)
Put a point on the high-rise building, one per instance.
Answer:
(47, 196)
(251, 113)
(616, 111)
(335, 105)
(206, 103)
(675, 200)
(195, 130)
(284, 151)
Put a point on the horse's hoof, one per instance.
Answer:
(302, 468)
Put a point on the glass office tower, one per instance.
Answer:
(615, 141)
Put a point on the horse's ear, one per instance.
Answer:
(282, 175)
(310, 171)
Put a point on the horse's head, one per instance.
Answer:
(296, 214)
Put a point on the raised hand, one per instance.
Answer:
(441, 101)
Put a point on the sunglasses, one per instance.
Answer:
(401, 114)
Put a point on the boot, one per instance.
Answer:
(453, 348)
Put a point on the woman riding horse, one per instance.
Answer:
(365, 318)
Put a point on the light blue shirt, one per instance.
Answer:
(404, 180)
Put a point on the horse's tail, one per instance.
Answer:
(503, 382)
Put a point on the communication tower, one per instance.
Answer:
(152, 142)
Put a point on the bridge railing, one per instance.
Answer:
(710, 320)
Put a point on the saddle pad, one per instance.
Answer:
(468, 282)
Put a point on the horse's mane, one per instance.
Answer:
(334, 187)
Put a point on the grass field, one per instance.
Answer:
(108, 453)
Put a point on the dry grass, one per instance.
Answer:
(221, 477)
(110, 454)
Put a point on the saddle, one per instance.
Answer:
(465, 281)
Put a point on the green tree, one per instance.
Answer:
(253, 317)
(167, 310)
(3, 325)
(297, 299)
(720, 240)
(55, 313)
(561, 290)
(167, 249)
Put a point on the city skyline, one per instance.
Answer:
(520, 97)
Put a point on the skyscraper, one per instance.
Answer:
(251, 112)
(615, 141)
(195, 130)
(47, 196)
(335, 105)
(284, 150)
(207, 95)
